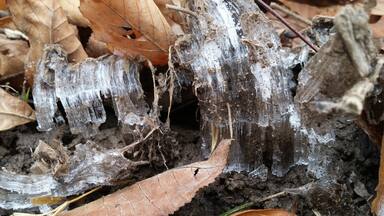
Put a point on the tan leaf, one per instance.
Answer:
(379, 9)
(44, 22)
(162, 194)
(12, 56)
(72, 10)
(130, 27)
(378, 202)
(264, 212)
(378, 28)
(13, 111)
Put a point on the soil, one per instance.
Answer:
(351, 195)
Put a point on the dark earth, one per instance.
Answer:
(352, 195)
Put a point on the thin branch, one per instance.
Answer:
(183, 10)
(274, 13)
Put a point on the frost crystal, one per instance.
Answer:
(81, 88)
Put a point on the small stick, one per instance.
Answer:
(230, 120)
(291, 13)
(274, 13)
(183, 10)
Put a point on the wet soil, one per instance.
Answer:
(350, 194)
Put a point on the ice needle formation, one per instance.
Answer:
(81, 88)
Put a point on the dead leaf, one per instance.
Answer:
(162, 194)
(51, 157)
(264, 212)
(12, 56)
(378, 28)
(72, 10)
(13, 111)
(3, 4)
(309, 11)
(130, 27)
(378, 202)
(96, 48)
(44, 22)
(379, 9)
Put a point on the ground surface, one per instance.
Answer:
(358, 159)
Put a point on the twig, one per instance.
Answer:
(60, 208)
(183, 10)
(290, 13)
(294, 191)
(132, 145)
(250, 204)
(230, 120)
(274, 13)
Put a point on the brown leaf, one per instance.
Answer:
(130, 27)
(12, 57)
(378, 202)
(379, 9)
(378, 28)
(3, 5)
(309, 11)
(96, 48)
(72, 10)
(264, 212)
(162, 194)
(44, 22)
(13, 111)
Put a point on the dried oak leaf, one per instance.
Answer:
(44, 22)
(13, 111)
(12, 57)
(72, 10)
(130, 27)
(162, 194)
(264, 212)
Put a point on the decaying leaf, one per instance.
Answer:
(378, 202)
(162, 194)
(12, 56)
(13, 111)
(130, 27)
(44, 21)
(51, 157)
(264, 212)
(309, 10)
(96, 48)
(72, 10)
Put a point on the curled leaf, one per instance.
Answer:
(72, 10)
(13, 111)
(130, 27)
(162, 194)
(12, 56)
(44, 22)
